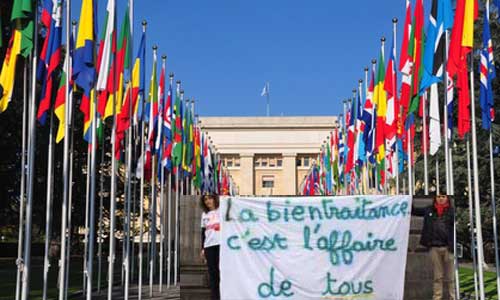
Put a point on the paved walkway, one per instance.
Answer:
(172, 293)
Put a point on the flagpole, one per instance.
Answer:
(178, 192)
(48, 208)
(70, 192)
(86, 234)
(101, 208)
(477, 205)
(66, 183)
(31, 167)
(112, 199)
(438, 192)
(365, 162)
(130, 253)
(141, 189)
(162, 183)
(471, 221)
(424, 134)
(268, 111)
(374, 122)
(493, 199)
(345, 147)
(90, 261)
(169, 238)
(19, 262)
(396, 113)
(152, 235)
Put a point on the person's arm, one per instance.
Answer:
(202, 237)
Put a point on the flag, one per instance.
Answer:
(106, 54)
(416, 42)
(22, 15)
(50, 57)
(20, 43)
(405, 67)
(152, 109)
(118, 68)
(434, 120)
(187, 149)
(380, 101)
(390, 83)
(177, 129)
(159, 140)
(83, 64)
(167, 129)
(461, 43)
(60, 103)
(440, 20)
(351, 136)
(265, 90)
(487, 74)
(369, 120)
(123, 119)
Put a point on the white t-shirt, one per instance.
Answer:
(210, 221)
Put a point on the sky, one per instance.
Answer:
(312, 53)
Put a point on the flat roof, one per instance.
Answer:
(268, 122)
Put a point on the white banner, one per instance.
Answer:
(350, 247)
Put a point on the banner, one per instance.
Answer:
(350, 247)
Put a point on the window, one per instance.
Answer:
(306, 161)
(272, 162)
(230, 160)
(299, 162)
(257, 162)
(268, 161)
(267, 181)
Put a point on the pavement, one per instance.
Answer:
(118, 293)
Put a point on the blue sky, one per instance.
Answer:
(223, 51)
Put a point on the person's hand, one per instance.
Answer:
(202, 256)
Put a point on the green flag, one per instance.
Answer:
(22, 15)
(177, 130)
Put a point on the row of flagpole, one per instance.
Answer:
(342, 181)
(202, 174)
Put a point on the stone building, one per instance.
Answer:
(268, 155)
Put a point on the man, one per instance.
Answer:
(437, 235)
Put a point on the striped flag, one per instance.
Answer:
(50, 57)
(487, 74)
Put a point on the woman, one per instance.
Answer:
(210, 236)
(437, 235)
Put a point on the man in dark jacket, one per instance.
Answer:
(437, 235)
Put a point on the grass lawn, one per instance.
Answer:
(467, 283)
(8, 278)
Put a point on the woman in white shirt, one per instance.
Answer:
(210, 236)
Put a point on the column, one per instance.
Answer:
(247, 174)
(289, 178)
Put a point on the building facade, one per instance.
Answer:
(268, 155)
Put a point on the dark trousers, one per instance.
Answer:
(212, 256)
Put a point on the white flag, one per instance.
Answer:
(434, 122)
(265, 90)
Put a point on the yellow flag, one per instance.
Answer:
(8, 72)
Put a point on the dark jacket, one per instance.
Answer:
(429, 213)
